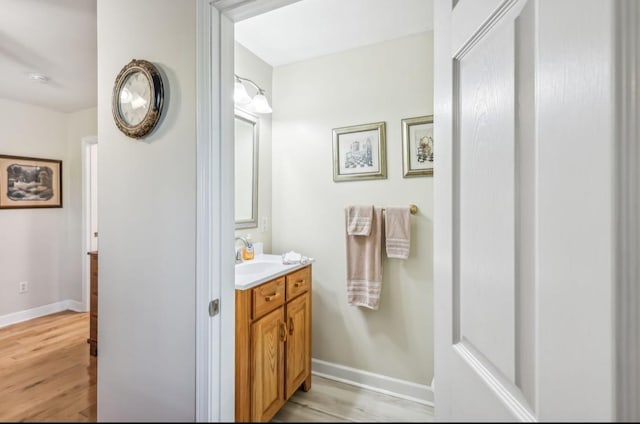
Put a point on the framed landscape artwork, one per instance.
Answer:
(417, 146)
(30, 182)
(359, 152)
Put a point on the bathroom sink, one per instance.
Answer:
(263, 267)
(247, 268)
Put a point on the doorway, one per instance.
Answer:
(223, 65)
(89, 209)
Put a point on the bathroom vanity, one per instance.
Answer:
(273, 335)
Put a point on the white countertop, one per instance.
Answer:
(263, 267)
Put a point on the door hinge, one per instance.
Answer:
(214, 307)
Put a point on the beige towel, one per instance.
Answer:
(359, 220)
(364, 265)
(397, 232)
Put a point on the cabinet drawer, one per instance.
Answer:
(267, 297)
(298, 282)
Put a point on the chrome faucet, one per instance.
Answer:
(239, 251)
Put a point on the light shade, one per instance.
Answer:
(240, 96)
(260, 104)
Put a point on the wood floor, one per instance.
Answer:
(333, 401)
(47, 374)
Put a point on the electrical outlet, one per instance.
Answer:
(23, 287)
(265, 224)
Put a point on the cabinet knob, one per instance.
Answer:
(290, 326)
(298, 283)
(283, 332)
(269, 297)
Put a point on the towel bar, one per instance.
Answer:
(412, 208)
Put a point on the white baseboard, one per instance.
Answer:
(421, 393)
(75, 306)
(41, 311)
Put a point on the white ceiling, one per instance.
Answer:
(311, 28)
(56, 38)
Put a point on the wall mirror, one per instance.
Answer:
(246, 169)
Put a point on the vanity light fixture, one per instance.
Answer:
(257, 104)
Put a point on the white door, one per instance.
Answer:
(93, 197)
(89, 147)
(524, 210)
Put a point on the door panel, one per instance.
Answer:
(491, 345)
(298, 342)
(485, 204)
(522, 250)
(267, 365)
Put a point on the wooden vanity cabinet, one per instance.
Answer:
(93, 303)
(273, 344)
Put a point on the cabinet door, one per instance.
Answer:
(298, 358)
(267, 365)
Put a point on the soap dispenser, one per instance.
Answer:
(248, 253)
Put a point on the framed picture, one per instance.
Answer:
(30, 182)
(359, 152)
(417, 146)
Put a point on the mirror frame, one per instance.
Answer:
(255, 121)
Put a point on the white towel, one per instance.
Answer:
(292, 257)
(397, 232)
(364, 265)
(359, 220)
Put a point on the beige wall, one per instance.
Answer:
(147, 213)
(43, 246)
(383, 82)
(250, 66)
